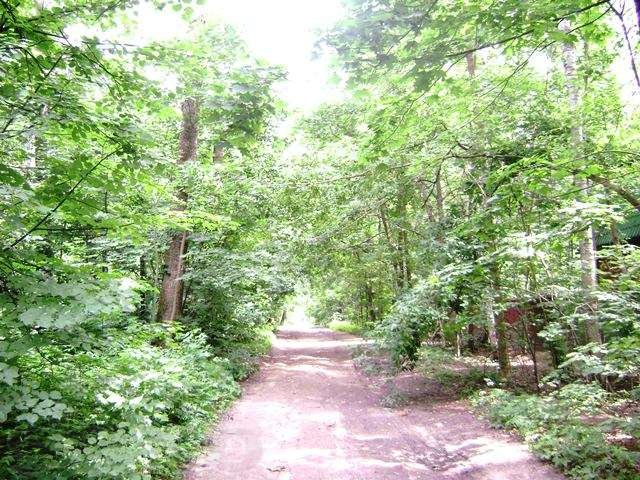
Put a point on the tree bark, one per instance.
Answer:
(490, 315)
(588, 269)
(397, 267)
(170, 301)
(371, 308)
(405, 258)
(499, 324)
(471, 63)
(495, 322)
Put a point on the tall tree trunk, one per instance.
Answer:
(403, 247)
(495, 321)
(397, 267)
(402, 243)
(490, 315)
(498, 323)
(369, 297)
(587, 245)
(170, 301)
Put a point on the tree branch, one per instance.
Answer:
(63, 199)
(623, 192)
(523, 34)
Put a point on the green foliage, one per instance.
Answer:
(556, 426)
(370, 359)
(137, 407)
(422, 207)
(345, 327)
(90, 386)
(447, 202)
(414, 315)
(461, 376)
(244, 357)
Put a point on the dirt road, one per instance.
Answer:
(309, 415)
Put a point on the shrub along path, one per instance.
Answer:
(309, 415)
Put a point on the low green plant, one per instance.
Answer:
(135, 409)
(460, 375)
(345, 326)
(394, 399)
(554, 426)
(370, 359)
(244, 357)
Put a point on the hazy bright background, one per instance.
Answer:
(285, 32)
(280, 31)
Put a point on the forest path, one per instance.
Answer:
(310, 415)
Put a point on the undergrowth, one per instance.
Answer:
(345, 326)
(578, 428)
(137, 407)
(244, 357)
(460, 376)
(563, 428)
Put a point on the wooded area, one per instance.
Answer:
(475, 196)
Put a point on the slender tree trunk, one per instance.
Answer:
(615, 235)
(490, 315)
(170, 301)
(496, 322)
(406, 261)
(371, 308)
(587, 245)
(439, 195)
(589, 282)
(402, 243)
(397, 268)
(499, 324)
(637, 3)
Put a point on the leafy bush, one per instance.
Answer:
(459, 375)
(404, 328)
(135, 409)
(244, 358)
(555, 427)
(345, 326)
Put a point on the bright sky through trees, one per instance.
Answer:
(279, 31)
(284, 32)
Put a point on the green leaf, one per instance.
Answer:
(31, 418)
(8, 374)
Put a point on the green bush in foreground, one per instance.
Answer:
(244, 357)
(555, 428)
(136, 409)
